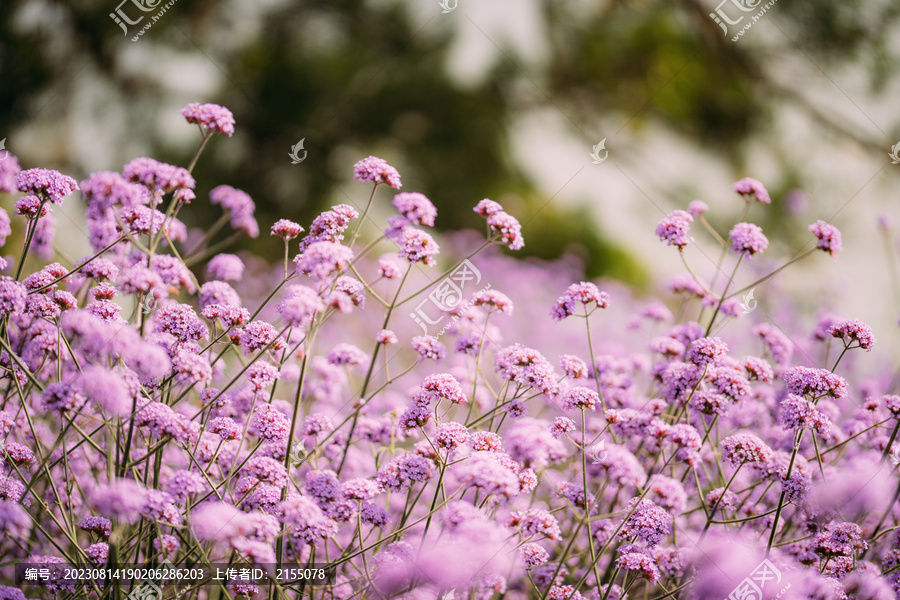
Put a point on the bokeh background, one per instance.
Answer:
(498, 99)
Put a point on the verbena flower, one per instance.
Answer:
(749, 187)
(674, 229)
(212, 117)
(829, 237)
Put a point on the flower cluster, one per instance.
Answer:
(166, 400)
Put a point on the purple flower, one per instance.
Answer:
(12, 296)
(346, 354)
(157, 176)
(829, 237)
(640, 564)
(329, 226)
(416, 208)
(417, 246)
(697, 208)
(797, 412)
(106, 389)
(561, 426)
(706, 351)
(749, 238)
(526, 367)
(258, 335)
(227, 267)
(240, 206)
(674, 229)
(97, 525)
(321, 259)
(585, 293)
(445, 387)
(9, 168)
(581, 398)
(269, 424)
(428, 348)
(853, 330)
(123, 500)
(839, 539)
(533, 555)
(535, 521)
(49, 185)
(816, 383)
(386, 336)
(218, 292)
(181, 321)
(508, 228)
(779, 345)
(743, 448)
(487, 207)
(648, 523)
(299, 305)
(286, 230)
(213, 117)
(374, 169)
(451, 435)
(751, 187)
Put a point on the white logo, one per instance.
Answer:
(4, 153)
(596, 153)
(298, 455)
(295, 158)
(748, 303)
(148, 304)
(121, 18)
(451, 595)
(895, 150)
(448, 295)
(449, 6)
(598, 453)
(753, 586)
(895, 454)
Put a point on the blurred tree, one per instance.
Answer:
(351, 76)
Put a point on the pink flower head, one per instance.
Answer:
(509, 229)
(746, 447)
(815, 383)
(706, 351)
(9, 168)
(286, 230)
(346, 354)
(853, 330)
(158, 176)
(416, 208)
(486, 208)
(829, 237)
(227, 267)
(213, 117)
(751, 187)
(748, 238)
(674, 229)
(581, 398)
(428, 347)
(697, 208)
(47, 184)
(376, 170)
(584, 293)
(329, 226)
(240, 206)
(386, 336)
(493, 301)
(322, 259)
(417, 246)
(299, 305)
